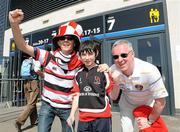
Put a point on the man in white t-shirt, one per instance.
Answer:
(141, 84)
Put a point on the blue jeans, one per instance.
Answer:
(98, 125)
(47, 114)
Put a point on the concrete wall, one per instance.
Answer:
(173, 10)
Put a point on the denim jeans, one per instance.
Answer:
(98, 125)
(47, 114)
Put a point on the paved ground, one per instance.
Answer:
(7, 118)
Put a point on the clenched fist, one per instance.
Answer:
(16, 16)
(117, 77)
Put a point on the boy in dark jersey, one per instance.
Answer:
(91, 89)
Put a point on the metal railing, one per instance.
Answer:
(12, 92)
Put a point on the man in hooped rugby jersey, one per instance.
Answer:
(60, 67)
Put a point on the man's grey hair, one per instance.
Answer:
(122, 41)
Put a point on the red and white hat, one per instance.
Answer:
(69, 28)
(144, 111)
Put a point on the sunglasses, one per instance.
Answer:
(66, 37)
(122, 55)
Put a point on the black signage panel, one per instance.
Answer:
(92, 26)
(28, 39)
(44, 37)
(135, 18)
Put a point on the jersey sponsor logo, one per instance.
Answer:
(97, 80)
(87, 89)
(139, 87)
(88, 92)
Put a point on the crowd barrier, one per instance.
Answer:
(12, 92)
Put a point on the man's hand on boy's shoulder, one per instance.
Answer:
(103, 68)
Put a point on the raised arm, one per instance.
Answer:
(15, 18)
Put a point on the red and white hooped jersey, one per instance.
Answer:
(59, 73)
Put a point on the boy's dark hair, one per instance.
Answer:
(89, 46)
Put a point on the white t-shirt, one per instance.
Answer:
(144, 85)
